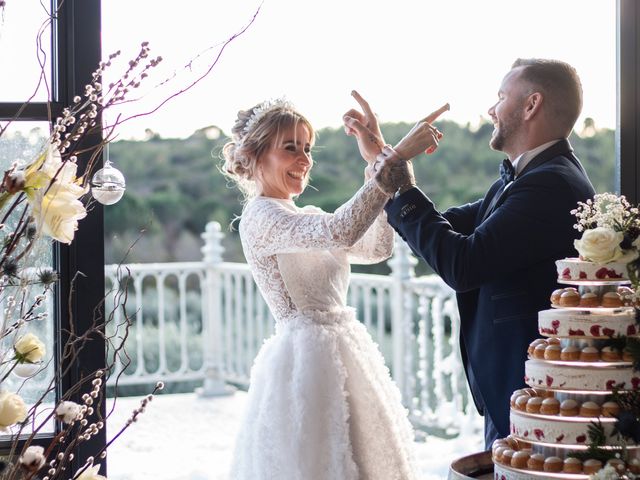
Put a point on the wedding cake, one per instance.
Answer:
(581, 411)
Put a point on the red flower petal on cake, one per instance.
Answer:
(608, 332)
(560, 438)
(595, 330)
(578, 332)
(566, 273)
(555, 323)
(631, 330)
(503, 477)
(582, 275)
(602, 273)
(613, 274)
(610, 384)
(581, 438)
(538, 433)
(635, 382)
(549, 380)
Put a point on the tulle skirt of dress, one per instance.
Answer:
(322, 406)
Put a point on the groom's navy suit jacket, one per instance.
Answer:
(501, 265)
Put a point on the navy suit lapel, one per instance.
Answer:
(496, 200)
(563, 147)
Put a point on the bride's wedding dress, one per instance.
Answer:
(321, 405)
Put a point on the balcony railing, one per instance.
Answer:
(207, 320)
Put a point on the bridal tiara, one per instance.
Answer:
(262, 109)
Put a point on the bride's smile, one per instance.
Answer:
(284, 169)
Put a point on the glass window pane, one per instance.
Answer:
(20, 23)
(21, 143)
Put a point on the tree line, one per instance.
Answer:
(174, 186)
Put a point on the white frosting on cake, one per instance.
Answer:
(555, 429)
(598, 323)
(581, 270)
(580, 376)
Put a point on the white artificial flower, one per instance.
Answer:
(606, 473)
(67, 411)
(53, 192)
(29, 348)
(602, 245)
(91, 473)
(12, 409)
(33, 458)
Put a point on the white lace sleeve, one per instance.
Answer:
(376, 245)
(270, 227)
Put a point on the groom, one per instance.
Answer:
(498, 253)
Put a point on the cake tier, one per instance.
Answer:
(595, 323)
(516, 459)
(556, 430)
(574, 269)
(580, 376)
(502, 472)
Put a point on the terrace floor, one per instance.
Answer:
(185, 437)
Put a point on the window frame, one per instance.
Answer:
(628, 99)
(75, 54)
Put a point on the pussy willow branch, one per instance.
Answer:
(197, 80)
(27, 317)
(71, 350)
(15, 237)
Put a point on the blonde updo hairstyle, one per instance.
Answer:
(253, 134)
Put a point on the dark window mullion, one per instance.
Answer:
(628, 99)
(37, 111)
(77, 53)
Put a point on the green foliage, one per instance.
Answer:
(597, 438)
(174, 187)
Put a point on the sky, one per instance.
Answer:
(405, 57)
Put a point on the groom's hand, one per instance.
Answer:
(393, 174)
(423, 137)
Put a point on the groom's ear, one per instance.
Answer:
(533, 105)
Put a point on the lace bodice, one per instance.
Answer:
(300, 256)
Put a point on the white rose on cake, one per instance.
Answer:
(602, 245)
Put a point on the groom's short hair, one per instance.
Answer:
(560, 86)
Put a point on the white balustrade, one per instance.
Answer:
(207, 320)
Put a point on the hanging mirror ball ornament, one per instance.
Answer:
(26, 370)
(108, 185)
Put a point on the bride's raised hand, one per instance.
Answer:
(423, 137)
(364, 126)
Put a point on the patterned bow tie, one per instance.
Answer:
(507, 172)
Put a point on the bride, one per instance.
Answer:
(321, 405)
